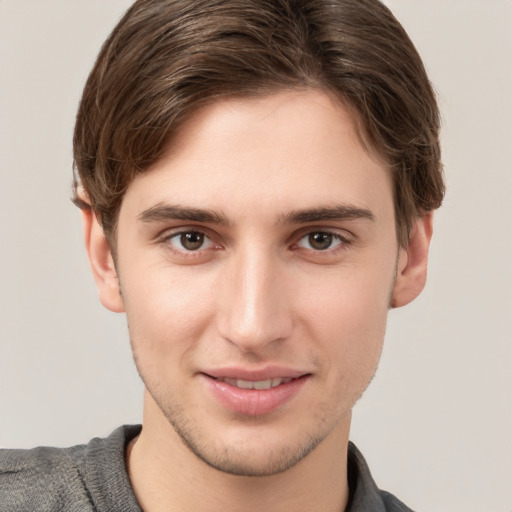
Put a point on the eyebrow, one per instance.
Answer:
(338, 212)
(165, 212)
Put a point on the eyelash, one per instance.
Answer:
(168, 240)
(343, 241)
(336, 236)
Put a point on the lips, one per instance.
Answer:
(259, 384)
(256, 374)
(254, 393)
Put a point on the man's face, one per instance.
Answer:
(260, 251)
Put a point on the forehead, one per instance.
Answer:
(272, 154)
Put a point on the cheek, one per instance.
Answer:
(165, 311)
(347, 316)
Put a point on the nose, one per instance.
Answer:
(254, 306)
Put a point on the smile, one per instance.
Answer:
(254, 395)
(259, 384)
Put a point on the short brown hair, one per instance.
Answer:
(166, 58)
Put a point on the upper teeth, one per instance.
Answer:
(259, 384)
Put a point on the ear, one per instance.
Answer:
(102, 263)
(412, 263)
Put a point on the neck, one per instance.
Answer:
(166, 475)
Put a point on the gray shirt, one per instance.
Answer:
(93, 478)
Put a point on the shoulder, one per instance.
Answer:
(393, 504)
(82, 478)
(42, 479)
(364, 493)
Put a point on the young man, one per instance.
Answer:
(257, 180)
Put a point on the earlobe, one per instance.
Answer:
(412, 263)
(102, 263)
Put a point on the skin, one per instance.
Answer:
(269, 279)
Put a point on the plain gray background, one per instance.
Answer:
(436, 424)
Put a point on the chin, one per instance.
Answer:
(255, 461)
(246, 450)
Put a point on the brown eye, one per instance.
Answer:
(192, 241)
(189, 241)
(320, 241)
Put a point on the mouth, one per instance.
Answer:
(258, 384)
(254, 393)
